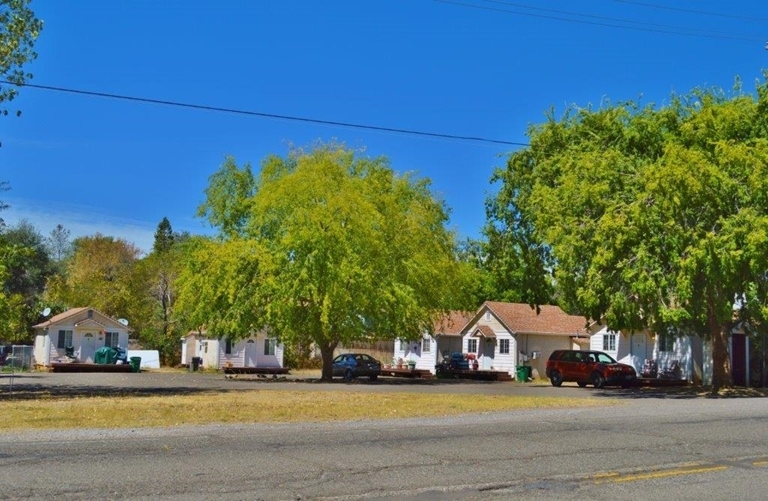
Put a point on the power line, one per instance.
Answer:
(693, 11)
(596, 23)
(620, 20)
(266, 115)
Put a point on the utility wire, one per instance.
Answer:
(615, 19)
(266, 115)
(693, 11)
(596, 23)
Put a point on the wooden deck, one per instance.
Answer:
(409, 373)
(79, 367)
(659, 382)
(256, 370)
(481, 375)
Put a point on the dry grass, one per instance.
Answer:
(258, 406)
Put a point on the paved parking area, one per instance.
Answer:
(180, 382)
(39, 384)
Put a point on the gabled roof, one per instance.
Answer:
(453, 323)
(520, 318)
(61, 316)
(74, 312)
(483, 331)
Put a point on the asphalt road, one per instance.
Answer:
(652, 445)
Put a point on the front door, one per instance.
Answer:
(489, 352)
(250, 353)
(639, 350)
(88, 348)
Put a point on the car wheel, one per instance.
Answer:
(581, 384)
(373, 377)
(556, 378)
(348, 375)
(598, 380)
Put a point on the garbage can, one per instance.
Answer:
(196, 361)
(521, 374)
(135, 364)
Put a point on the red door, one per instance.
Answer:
(739, 359)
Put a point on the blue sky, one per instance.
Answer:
(470, 68)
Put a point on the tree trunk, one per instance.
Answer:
(721, 364)
(326, 351)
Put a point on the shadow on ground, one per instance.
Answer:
(680, 392)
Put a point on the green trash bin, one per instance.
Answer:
(135, 364)
(521, 374)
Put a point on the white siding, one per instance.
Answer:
(682, 351)
(41, 350)
(543, 345)
(407, 350)
(215, 358)
(427, 359)
(86, 339)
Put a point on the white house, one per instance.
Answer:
(82, 330)
(636, 347)
(693, 356)
(258, 350)
(505, 335)
(429, 350)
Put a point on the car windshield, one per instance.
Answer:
(605, 359)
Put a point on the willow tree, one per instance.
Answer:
(322, 246)
(648, 217)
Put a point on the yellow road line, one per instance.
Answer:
(760, 463)
(662, 474)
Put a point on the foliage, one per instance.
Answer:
(163, 237)
(646, 216)
(59, 245)
(100, 273)
(321, 247)
(27, 270)
(19, 29)
(12, 304)
(158, 272)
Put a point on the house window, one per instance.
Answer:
(666, 342)
(269, 346)
(426, 345)
(487, 315)
(110, 339)
(504, 346)
(228, 347)
(65, 339)
(205, 347)
(472, 345)
(609, 342)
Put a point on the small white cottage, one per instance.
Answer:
(429, 350)
(689, 354)
(258, 350)
(504, 335)
(79, 331)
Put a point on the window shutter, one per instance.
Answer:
(61, 343)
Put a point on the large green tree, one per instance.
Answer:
(28, 268)
(322, 246)
(647, 217)
(101, 273)
(158, 272)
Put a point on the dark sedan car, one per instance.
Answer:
(352, 365)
